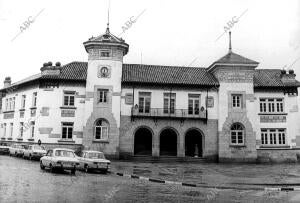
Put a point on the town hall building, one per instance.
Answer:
(229, 111)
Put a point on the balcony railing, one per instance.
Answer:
(173, 113)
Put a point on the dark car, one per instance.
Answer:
(4, 148)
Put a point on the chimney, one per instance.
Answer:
(7, 82)
(49, 69)
(288, 77)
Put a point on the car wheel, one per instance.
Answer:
(73, 171)
(86, 168)
(51, 168)
(42, 165)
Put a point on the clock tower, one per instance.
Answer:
(103, 92)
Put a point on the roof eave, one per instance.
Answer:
(211, 67)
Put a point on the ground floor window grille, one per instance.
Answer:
(101, 130)
(237, 134)
(32, 127)
(4, 130)
(67, 131)
(21, 129)
(273, 136)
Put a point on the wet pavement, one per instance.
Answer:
(23, 181)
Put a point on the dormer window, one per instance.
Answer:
(105, 54)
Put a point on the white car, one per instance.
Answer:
(60, 158)
(34, 152)
(93, 160)
(17, 150)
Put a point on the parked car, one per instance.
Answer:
(60, 158)
(4, 148)
(17, 149)
(34, 152)
(93, 160)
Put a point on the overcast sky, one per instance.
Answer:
(168, 32)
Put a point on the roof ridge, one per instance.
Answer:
(169, 66)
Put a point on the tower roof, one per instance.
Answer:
(106, 39)
(232, 58)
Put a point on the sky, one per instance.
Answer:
(163, 32)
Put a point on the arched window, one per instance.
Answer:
(101, 130)
(237, 133)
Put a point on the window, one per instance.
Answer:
(6, 105)
(11, 129)
(101, 130)
(67, 131)
(23, 100)
(102, 95)
(32, 127)
(105, 53)
(194, 104)
(236, 101)
(21, 129)
(169, 102)
(13, 103)
(4, 130)
(237, 134)
(144, 102)
(49, 153)
(10, 104)
(273, 136)
(69, 98)
(34, 99)
(271, 105)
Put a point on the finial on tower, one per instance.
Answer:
(230, 48)
(107, 28)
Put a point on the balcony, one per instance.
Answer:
(166, 113)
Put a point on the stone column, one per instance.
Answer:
(180, 146)
(155, 145)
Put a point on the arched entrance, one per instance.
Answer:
(168, 143)
(194, 143)
(143, 142)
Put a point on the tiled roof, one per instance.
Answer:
(274, 78)
(153, 74)
(232, 57)
(74, 70)
(28, 79)
(107, 37)
(171, 75)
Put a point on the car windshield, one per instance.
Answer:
(38, 147)
(64, 153)
(95, 155)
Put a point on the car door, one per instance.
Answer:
(47, 159)
(81, 159)
(27, 151)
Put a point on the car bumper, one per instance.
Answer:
(65, 166)
(4, 151)
(37, 156)
(99, 167)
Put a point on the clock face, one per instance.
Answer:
(103, 72)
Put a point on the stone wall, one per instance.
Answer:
(278, 155)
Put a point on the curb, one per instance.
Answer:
(278, 189)
(286, 189)
(184, 184)
(156, 180)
